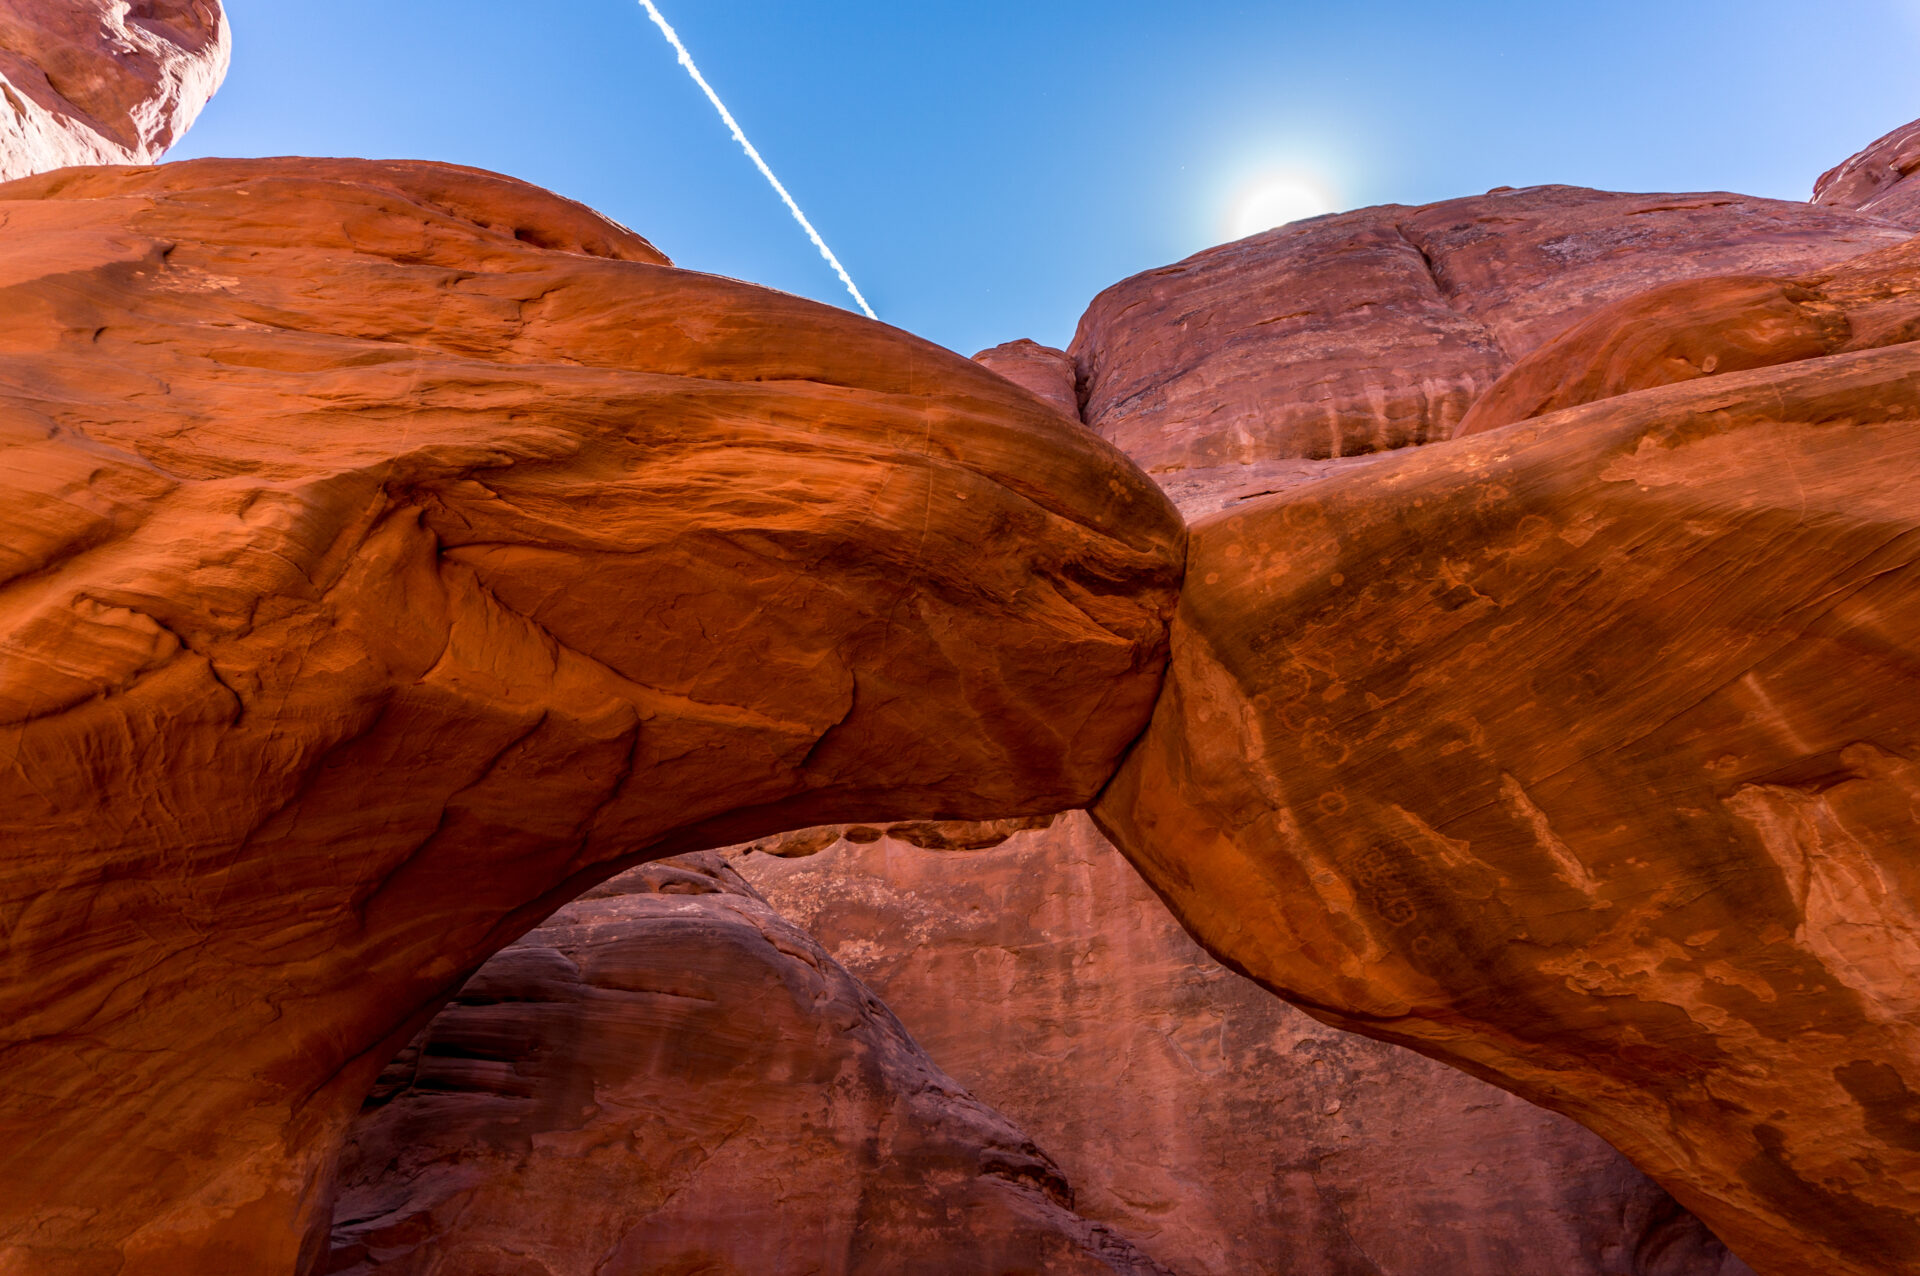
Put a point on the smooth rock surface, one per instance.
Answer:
(390, 551)
(1580, 754)
(1377, 329)
(1227, 1133)
(1879, 180)
(668, 1077)
(103, 81)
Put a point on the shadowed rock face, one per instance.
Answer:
(103, 81)
(1879, 179)
(1227, 1133)
(1579, 754)
(393, 550)
(1377, 329)
(666, 1076)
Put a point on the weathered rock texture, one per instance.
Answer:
(1377, 329)
(1879, 179)
(1042, 369)
(393, 550)
(103, 81)
(1225, 1132)
(1705, 327)
(665, 1077)
(1581, 754)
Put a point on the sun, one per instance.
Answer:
(1275, 200)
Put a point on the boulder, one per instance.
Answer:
(666, 1076)
(1224, 1131)
(389, 552)
(103, 81)
(1580, 754)
(1372, 330)
(1878, 180)
(1042, 369)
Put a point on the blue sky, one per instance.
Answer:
(983, 169)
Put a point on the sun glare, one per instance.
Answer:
(1275, 201)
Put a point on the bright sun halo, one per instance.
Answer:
(1275, 201)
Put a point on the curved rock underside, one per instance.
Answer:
(103, 81)
(1580, 754)
(1223, 1131)
(667, 1076)
(392, 551)
(1879, 179)
(1377, 329)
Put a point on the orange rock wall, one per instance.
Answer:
(1227, 1133)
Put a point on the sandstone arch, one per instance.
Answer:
(393, 550)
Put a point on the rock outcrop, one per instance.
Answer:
(1042, 369)
(103, 81)
(1708, 327)
(1225, 1132)
(392, 551)
(1879, 180)
(1377, 329)
(667, 1076)
(1581, 754)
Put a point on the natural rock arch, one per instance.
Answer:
(394, 550)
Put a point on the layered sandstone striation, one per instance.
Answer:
(1377, 329)
(1224, 1131)
(391, 551)
(666, 1076)
(103, 81)
(1879, 180)
(1579, 754)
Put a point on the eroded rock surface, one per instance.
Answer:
(1042, 369)
(1879, 180)
(666, 1076)
(1708, 327)
(1580, 754)
(1224, 1131)
(103, 81)
(393, 550)
(1377, 329)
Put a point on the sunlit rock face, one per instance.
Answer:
(1246, 366)
(391, 551)
(1710, 327)
(1879, 180)
(103, 81)
(1225, 1132)
(1579, 754)
(667, 1076)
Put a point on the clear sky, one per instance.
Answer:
(984, 168)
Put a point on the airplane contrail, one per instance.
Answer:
(733, 126)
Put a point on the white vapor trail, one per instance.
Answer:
(733, 126)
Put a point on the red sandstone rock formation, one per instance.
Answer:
(392, 551)
(667, 1076)
(103, 81)
(1879, 179)
(1225, 1132)
(1042, 369)
(1378, 329)
(1579, 754)
(1707, 327)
